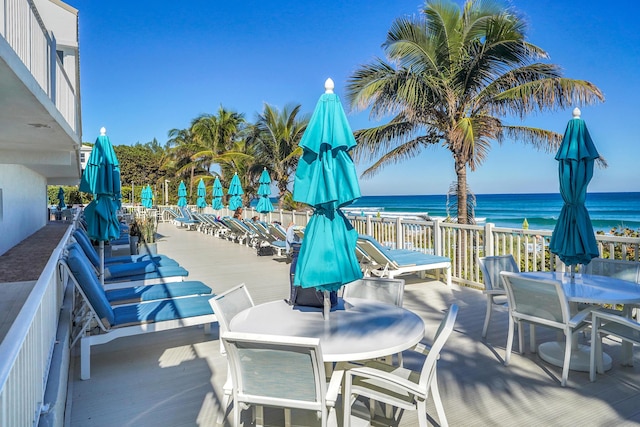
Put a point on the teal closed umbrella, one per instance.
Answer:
(264, 191)
(216, 203)
(101, 178)
(326, 179)
(573, 239)
(147, 197)
(202, 193)
(182, 194)
(61, 204)
(235, 192)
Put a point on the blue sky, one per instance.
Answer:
(150, 66)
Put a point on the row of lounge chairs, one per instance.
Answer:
(258, 235)
(374, 258)
(142, 294)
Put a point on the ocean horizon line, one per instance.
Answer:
(500, 194)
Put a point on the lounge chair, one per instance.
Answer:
(186, 218)
(239, 231)
(129, 275)
(146, 292)
(390, 263)
(83, 240)
(265, 239)
(97, 322)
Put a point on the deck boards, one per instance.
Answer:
(175, 378)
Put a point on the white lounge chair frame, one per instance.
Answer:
(86, 320)
(391, 269)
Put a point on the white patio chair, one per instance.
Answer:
(491, 266)
(540, 302)
(620, 269)
(226, 305)
(283, 372)
(390, 291)
(399, 387)
(605, 323)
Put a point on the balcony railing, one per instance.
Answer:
(26, 351)
(464, 244)
(23, 29)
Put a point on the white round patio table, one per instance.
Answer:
(357, 329)
(590, 289)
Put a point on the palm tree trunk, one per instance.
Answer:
(461, 173)
(191, 182)
(461, 248)
(282, 189)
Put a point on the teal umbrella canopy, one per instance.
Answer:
(573, 239)
(326, 179)
(202, 193)
(182, 194)
(147, 197)
(235, 192)
(264, 191)
(61, 204)
(216, 203)
(101, 177)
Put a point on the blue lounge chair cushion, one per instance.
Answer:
(131, 269)
(405, 256)
(157, 292)
(89, 284)
(160, 272)
(159, 260)
(158, 311)
(120, 241)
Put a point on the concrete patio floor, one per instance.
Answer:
(175, 378)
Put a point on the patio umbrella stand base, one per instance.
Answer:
(553, 353)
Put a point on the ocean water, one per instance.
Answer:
(607, 210)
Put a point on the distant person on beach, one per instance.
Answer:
(255, 218)
(238, 213)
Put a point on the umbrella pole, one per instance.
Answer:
(102, 263)
(326, 304)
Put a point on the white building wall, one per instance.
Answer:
(23, 208)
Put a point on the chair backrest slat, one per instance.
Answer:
(276, 370)
(492, 266)
(227, 304)
(620, 269)
(390, 291)
(536, 298)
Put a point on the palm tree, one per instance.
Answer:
(182, 146)
(451, 78)
(216, 134)
(277, 134)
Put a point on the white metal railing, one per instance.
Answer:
(25, 352)
(464, 244)
(24, 30)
